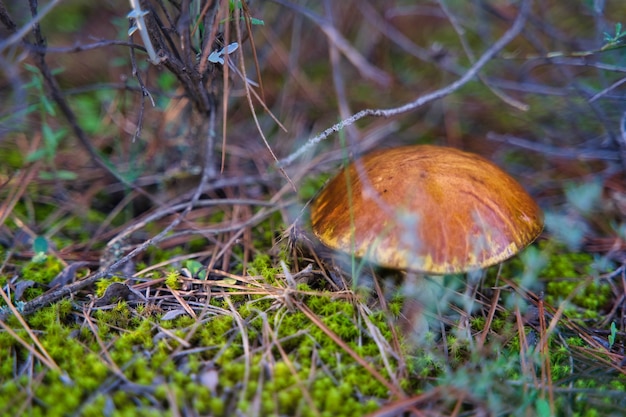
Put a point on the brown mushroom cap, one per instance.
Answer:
(426, 208)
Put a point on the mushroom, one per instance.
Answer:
(427, 209)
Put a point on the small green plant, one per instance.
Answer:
(194, 269)
(253, 20)
(616, 40)
(612, 335)
(51, 137)
(40, 249)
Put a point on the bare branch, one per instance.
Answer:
(510, 34)
(17, 36)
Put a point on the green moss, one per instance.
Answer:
(41, 273)
(262, 265)
(137, 344)
(172, 280)
(567, 274)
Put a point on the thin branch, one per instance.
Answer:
(558, 152)
(137, 14)
(510, 34)
(44, 356)
(81, 47)
(252, 110)
(366, 69)
(55, 295)
(17, 36)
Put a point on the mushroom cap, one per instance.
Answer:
(426, 208)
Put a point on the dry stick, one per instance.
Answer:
(6, 19)
(401, 406)
(607, 90)
(184, 304)
(402, 41)
(394, 332)
(262, 103)
(53, 296)
(526, 365)
(58, 97)
(70, 116)
(556, 315)
(226, 84)
(197, 204)
(489, 321)
(81, 47)
(245, 341)
(544, 348)
(470, 54)
(361, 64)
(588, 154)
(15, 193)
(212, 34)
(255, 58)
(108, 360)
(622, 139)
(381, 342)
(43, 358)
(253, 112)
(140, 24)
(144, 93)
(43, 354)
(509, 35)
(285, 357)
(338, 79)
(20, 108)
(17, 36)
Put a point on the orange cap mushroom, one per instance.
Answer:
(427, 209)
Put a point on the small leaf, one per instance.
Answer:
(32, 68)
(40, 245)
(49, 139)
(52, 138)
(66, 175)
(612, 335)
(47, 105)
(194, 267)
(58, 175)
(202, 274)
(36, 155)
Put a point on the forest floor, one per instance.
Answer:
(156, 252)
